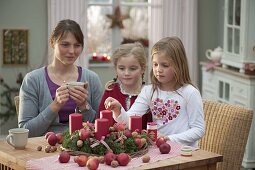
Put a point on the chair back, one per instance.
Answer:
(227, 130)
(16, 102)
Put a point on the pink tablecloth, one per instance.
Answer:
(52, 162)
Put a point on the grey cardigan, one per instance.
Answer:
(35, 98)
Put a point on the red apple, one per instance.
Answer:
(160, 141)
(59, 138)
(64, 157)
(82, 160)
(138, 141)
(109, 157)
(52, 139)
(164, 148)
(92, 163)
(128, 133)
(120, 126)
(84, 134)
(123, 159)
(48, 134)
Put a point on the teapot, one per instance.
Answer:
(214, 55)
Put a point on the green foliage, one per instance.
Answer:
(99, 149)
(7, 102)
(130, 145)
(86, 147)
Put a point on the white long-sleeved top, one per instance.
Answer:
(178, 114)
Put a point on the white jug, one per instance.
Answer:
(214, 55)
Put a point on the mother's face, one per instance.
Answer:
(67, 49)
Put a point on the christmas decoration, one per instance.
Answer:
(118, 140)
(117, 18)
(97, 58)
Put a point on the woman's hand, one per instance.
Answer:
(61, 97)
(80, 95)
(114, 105)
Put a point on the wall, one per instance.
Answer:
(210, 28)
(25, 14)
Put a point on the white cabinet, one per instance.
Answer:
(230, 86)
(239, 33)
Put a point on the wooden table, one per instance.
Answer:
(16, 159)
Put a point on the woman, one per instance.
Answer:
(45, 99)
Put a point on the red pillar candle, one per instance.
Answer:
(135, 122)
(108, 115)
(75, 122)
(101, 128)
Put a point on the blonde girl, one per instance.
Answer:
(129, 62)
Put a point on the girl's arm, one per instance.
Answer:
(139, 107)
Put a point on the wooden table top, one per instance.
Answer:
(16, 159)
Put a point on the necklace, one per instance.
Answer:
(60, 78)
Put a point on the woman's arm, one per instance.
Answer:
(29, 116)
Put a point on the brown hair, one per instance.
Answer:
(125, 50)
(64, 27)
(173, 48)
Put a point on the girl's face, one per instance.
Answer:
(129, 71)
(67, 50)
(163, 71)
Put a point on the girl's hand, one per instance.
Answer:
(166, 138)
(80, 95)
(114, 105)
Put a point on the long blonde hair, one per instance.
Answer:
(173, 48)
(125, 50)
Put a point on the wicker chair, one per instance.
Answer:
(16, 102)
(227, 129)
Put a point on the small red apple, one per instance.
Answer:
(109, 157)
(64, 157)
(48, 134)
(82, 160)
(84, 134)
(164, 148)
(92, 163)
(138, 141)
(52, 139)
(123, 159)
(59, 138)
(160, 141)
(120, 127)
(128, 133)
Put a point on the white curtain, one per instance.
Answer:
(176, 18)
(66, 9)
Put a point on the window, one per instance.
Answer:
(101, 16)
